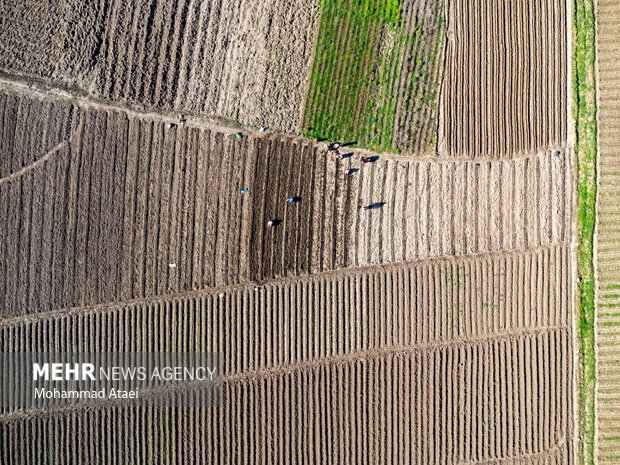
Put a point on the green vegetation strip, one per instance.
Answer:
(353, 52)
(584, 112)
(367, 57)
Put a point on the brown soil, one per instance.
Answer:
(171, 55)
(55, 40)
(453, 361)
(608, 237)
(30, 127)
(104, 217)
(436, 328)
(505, 79)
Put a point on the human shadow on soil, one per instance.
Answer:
(373, 206)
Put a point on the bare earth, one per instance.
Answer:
(172, 55)
(389, 350)
(434, 328)
(505, 82)
(109, 210)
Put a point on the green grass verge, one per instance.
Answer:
(584, 112)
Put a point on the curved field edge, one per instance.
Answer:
(584, 112)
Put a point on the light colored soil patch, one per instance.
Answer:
(237, 60)
(55, 40)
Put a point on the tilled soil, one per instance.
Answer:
(435, 327)
(443, 361)
(236, 60)
(505, 89)
(129, 208)
(607, 253)
(30, 128)
(55, 40)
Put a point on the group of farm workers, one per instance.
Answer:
(334, 149)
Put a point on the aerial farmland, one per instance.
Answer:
(380, 219)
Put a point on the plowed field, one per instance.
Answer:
(608, 238)
(444, 361)
(104, 216)
(399, 309)
(31, 128)
(236, 60)
(505, 89)
(239, 60)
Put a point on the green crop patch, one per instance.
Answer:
(367, 53)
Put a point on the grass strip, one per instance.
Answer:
(584, 112)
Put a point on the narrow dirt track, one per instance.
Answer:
(608, 237)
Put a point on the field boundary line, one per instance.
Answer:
(45, 157)
(39, 88)
(313, 277)
(319, 362)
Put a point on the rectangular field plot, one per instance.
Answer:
(505, 88)
(238, 60)
(607, 246)
(375, 73)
